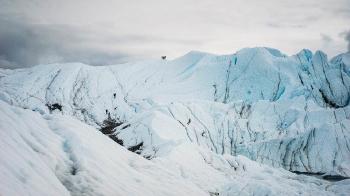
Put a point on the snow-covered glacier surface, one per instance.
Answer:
(201, 124)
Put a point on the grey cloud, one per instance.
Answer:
(326, 38)
(24, 44)
(344, 11)
(280, 25)
(347, 38)
(114, 31)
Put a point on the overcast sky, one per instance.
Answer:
(113, 31)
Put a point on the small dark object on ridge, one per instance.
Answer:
(163, 57)
(109, 124)
(116, 139)
(334, 178)
(54, 106)
(137, 148)
(214, 193)
(126, 126)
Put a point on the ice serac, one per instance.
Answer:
(284, 111)
(328, 82)
(296, 135)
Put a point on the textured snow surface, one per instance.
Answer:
(47, 155)
(59, 155)
(195, 119)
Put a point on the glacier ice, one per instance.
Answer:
(204, 110)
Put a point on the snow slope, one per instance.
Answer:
(288, 112)
(59, 155)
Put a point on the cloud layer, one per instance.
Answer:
(25, 44)
(108, 32)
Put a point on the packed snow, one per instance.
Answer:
(202, 124)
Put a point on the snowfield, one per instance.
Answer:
(201, 124)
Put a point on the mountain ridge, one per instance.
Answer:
(288, 112)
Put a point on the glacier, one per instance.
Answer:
(202, 124)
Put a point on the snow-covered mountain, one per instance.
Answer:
(201, 124)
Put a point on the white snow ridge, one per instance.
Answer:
(256, 122)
